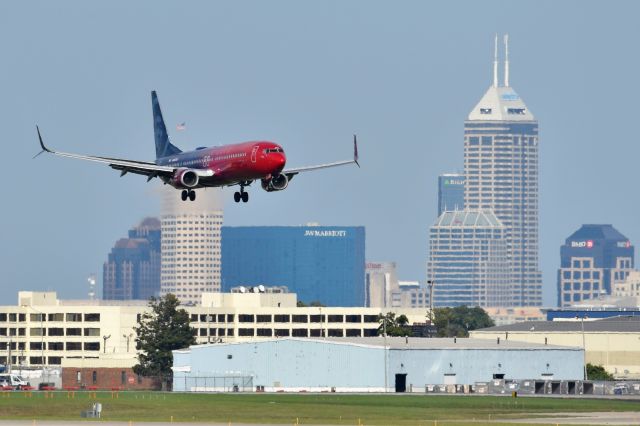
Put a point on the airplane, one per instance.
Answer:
(237, 164)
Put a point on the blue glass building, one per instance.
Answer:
(450, 192)
(319, 263)
(132, 269)
(592, 259)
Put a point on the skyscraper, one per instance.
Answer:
(501, 169)
(466, 259)
(132, 270)
(318, 263)
(450, 192)
(592, 260)
(380, 280)
(191, 245)
(384, 290)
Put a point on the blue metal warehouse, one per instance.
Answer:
(372, 364)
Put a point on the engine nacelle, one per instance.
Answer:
(184, 178)
(276, 183)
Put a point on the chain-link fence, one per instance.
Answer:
(225, 383)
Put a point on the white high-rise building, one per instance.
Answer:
(501, 170)
(191, 245)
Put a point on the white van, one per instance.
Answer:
(13, 380)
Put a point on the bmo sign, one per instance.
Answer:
(582, 244)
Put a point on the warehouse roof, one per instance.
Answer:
(409, 343)
(619, 324)
(437, 343)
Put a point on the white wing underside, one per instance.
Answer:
(122, 163)
(130, 166)
(297, 170)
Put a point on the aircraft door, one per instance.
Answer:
(254, 153)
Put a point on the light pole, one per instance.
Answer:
(584, 349)
(105, 338)
(384, 333)
(126, 336)
(9, 357)
(431, 283)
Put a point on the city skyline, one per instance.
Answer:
(399, 76)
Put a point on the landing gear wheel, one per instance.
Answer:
(244, 196)
(236, 197)
(192, 195)
(184, 195)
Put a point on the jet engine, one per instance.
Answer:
(275, 183)
(184, 178)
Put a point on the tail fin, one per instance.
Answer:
(164, 147)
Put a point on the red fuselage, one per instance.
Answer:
(231, 164)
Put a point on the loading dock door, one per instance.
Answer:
(450, 379)
(401, 382)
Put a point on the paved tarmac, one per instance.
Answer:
(630, 418)
(595, 419)
(613, 418)
(132, 423)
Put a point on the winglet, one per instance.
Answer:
(44, 148)
(355, 150)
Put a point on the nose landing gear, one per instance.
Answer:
(188, 193)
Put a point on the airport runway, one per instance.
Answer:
(132, 423)
(595, 419)
(599, 418)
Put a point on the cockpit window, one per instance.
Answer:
(270, 150)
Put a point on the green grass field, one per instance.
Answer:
(335, 409)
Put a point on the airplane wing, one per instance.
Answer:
(146, 168)
(295, 171)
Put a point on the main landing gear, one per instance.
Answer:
(188, 193)
(241, 195)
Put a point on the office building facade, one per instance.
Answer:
(593, 260)
(380, 280)
(501, 170)
(319, 263)
(42, 329)
(384, 290)
(410, 294)
(132, 270)
(467, 260)
(450, 192)
(191, 239)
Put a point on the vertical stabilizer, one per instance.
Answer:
(164, 147)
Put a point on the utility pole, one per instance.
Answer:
(384, 333)
(584, 349)
(9, 358)
(431, 284)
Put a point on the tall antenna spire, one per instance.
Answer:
(506, 60)
(495, 62)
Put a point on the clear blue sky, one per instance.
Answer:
(402, 75)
